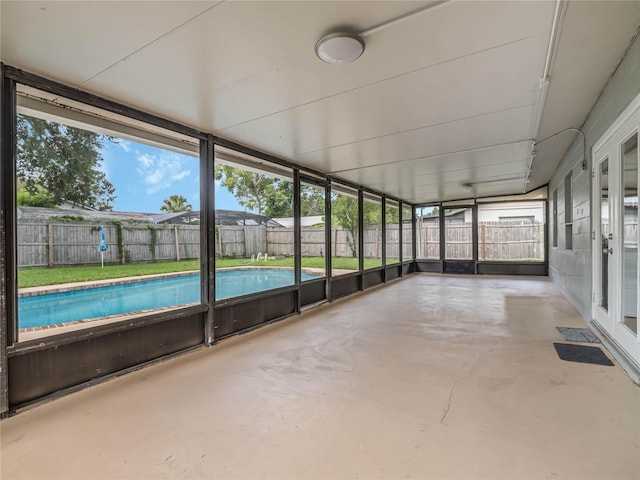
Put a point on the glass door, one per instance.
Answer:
(628, 317)
(603, 241)
(616, 272)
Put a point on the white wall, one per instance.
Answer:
(492, 213)
(571, 269)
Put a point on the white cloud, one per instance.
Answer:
(181, 175)
(159, 172)
(124, 144)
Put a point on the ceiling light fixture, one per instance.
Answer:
(346, 47)
(340, 47)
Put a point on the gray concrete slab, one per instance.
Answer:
(430, 377)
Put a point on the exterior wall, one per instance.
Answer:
(571, 269)
(493, 212)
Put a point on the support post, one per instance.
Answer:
(384, 239)
(208, 235)
(8, 235)
(327, 239)
(297, 246)
(474, 237)
(414, 246)
(361, 236)
(175, 238)
(401, 237)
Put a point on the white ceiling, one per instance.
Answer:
(445, 98)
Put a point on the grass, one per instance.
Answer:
(35, 277)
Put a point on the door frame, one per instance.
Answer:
(610, 146)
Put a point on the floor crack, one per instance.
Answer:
(446, 412)
(453, 387)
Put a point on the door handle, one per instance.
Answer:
(610, 250)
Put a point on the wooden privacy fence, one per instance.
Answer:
(240, 241)
(511, 241)
(51, 243)
(280, 241)
(497, 241)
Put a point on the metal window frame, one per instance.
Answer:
(483, 266)
(203, 314)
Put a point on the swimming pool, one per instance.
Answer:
(77, 305)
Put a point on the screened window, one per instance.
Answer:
(372, 231)
(511, 232)
(312, 233)
(428, 233)
(254, 257)
(458, 229)
(392, 218)
(345, 250)
(108, 222)
(407, 232)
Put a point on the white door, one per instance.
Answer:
(616, 272)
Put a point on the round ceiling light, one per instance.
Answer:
(340, 48)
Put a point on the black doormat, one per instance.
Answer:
(583, 335)
(582, 354)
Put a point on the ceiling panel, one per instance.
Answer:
(442, 178)
(593, 39)
(245, 60)
(443, 98)
(421, 143)
(426, 97)
(73, 41)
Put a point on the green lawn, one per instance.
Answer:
(34, 277)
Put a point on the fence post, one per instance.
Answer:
(50, 242)
(175, 237)
(123, 258)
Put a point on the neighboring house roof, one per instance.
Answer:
(46, 213)
(234, 217)
(309, 221)
(223, 217)
(451, 213)
(176, 217)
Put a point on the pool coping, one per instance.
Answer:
(39, 331)
(69, 287)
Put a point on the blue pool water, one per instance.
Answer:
(56, 308)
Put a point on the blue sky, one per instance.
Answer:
(144, 176)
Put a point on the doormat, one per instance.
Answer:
(582, 354)
(583, 335)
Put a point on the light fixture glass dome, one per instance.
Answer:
(340, 48)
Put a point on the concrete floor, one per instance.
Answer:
(431, 376)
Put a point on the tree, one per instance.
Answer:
(344, 213)
(311, 200)
(392, 216)
(41, 198)
(267, 195)
(175, 204)
(62, 163)
(248, 187)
